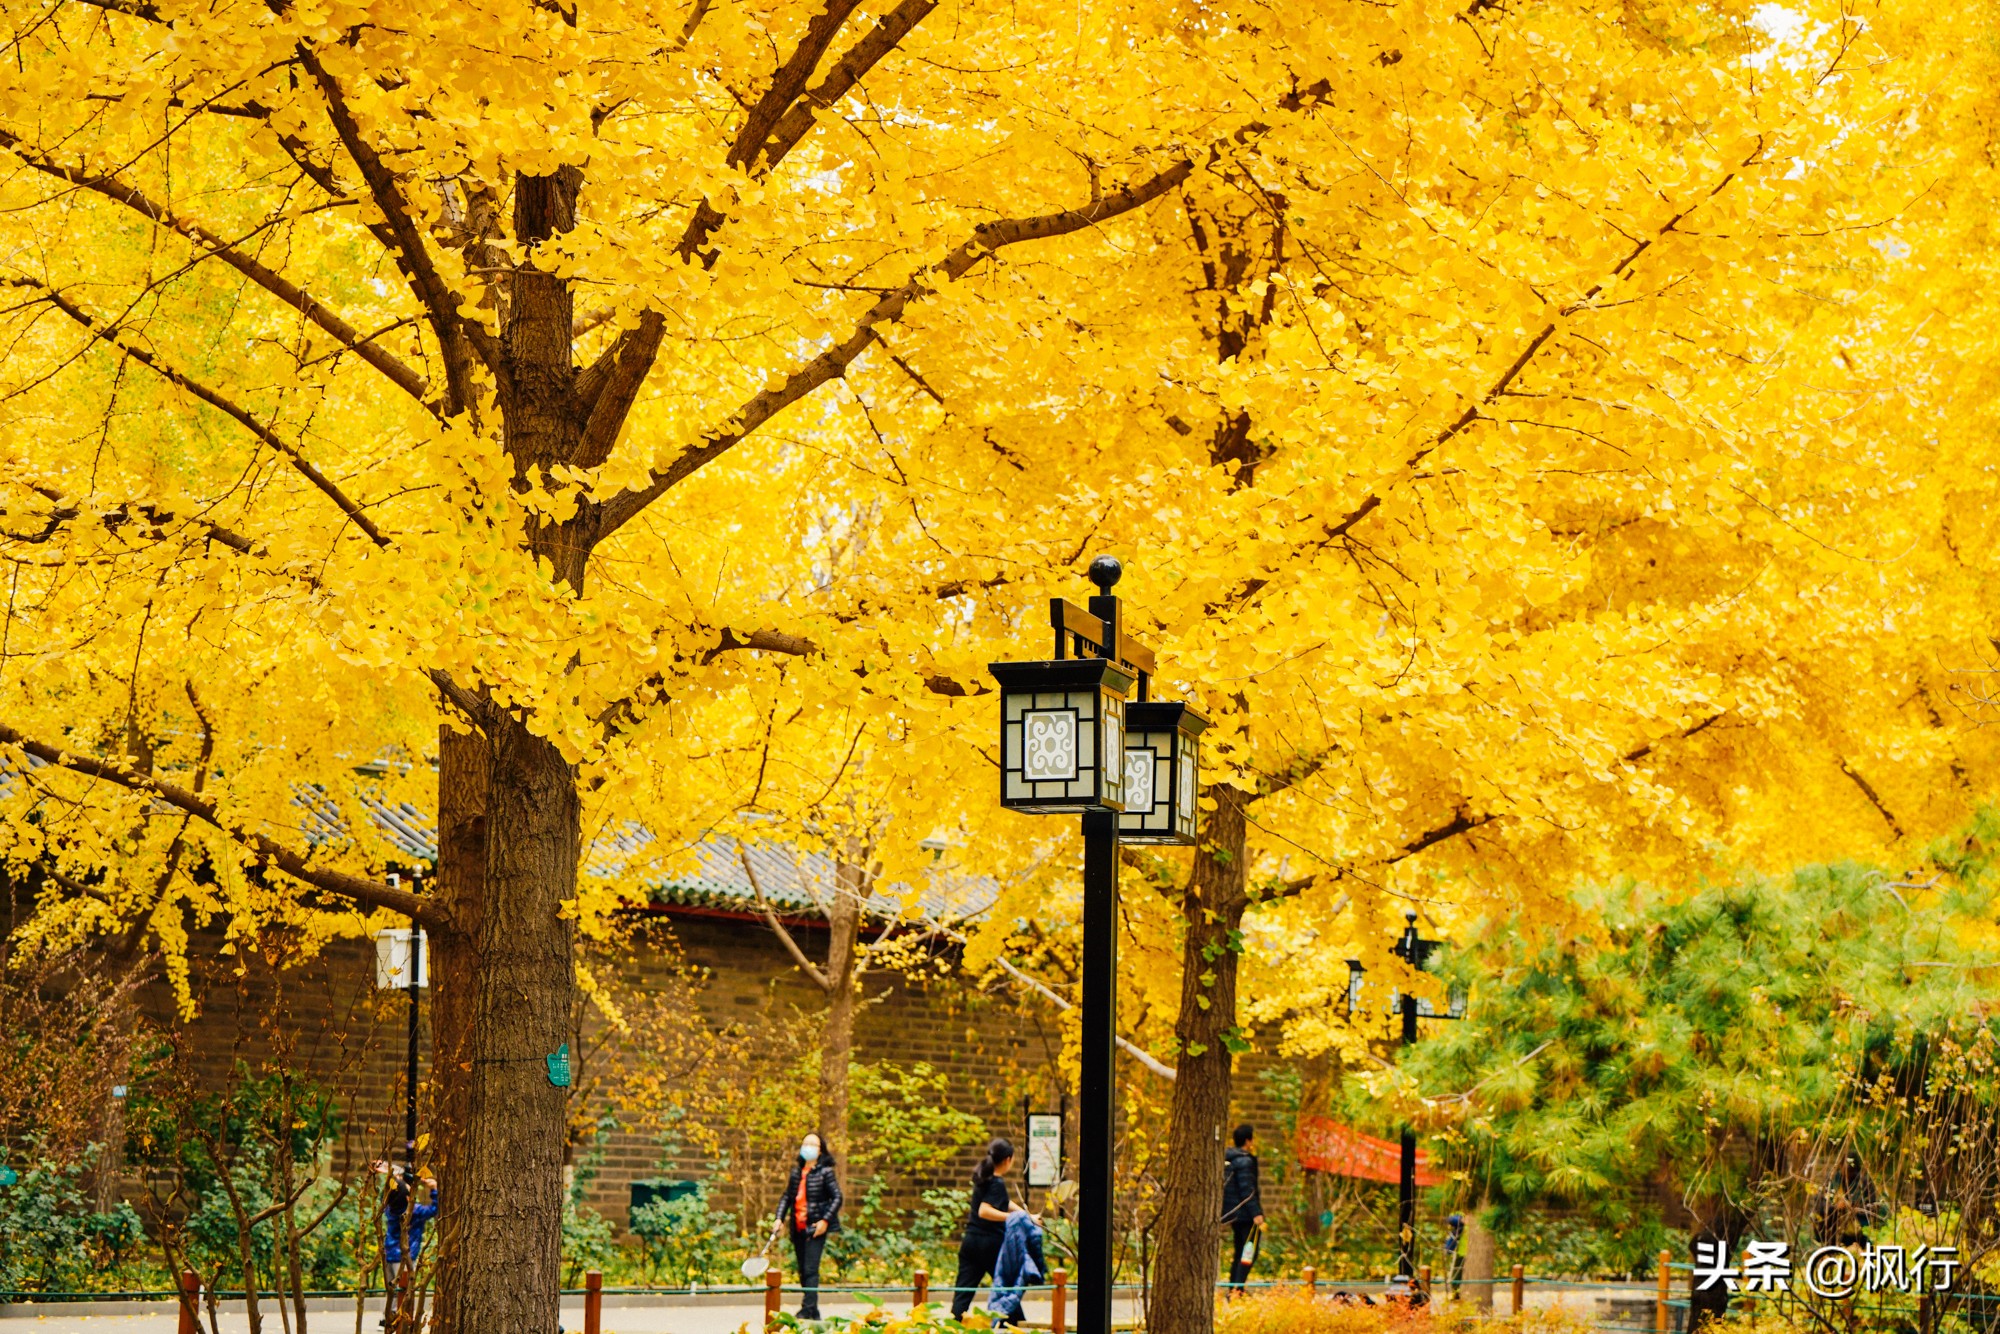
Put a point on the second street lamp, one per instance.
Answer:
(1407, 1007)
(1069, 742)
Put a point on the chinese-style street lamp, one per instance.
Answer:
(1071, 744)
(1415, 951)
(400, 963)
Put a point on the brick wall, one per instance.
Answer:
(333, 1026)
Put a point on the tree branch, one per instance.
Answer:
(1461, 823)
(607, 388)
(1505, 380)
(787, 83)
(807, 966)
(840, 80)
(138, 9)
(118, 516)
(1054, 997)
(276, 284)
(478, 711)
(986, 240)
(300, 463)
(1874, 798)
(365, 892)
(440, 303)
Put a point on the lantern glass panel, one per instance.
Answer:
(1140, 763)
(1186, 781)
(1049, 745)
(1114, 751)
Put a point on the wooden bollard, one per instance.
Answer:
(1059, 1303)
(774, 1296)
(920, 1289)
(1520, 1283)
(1424, 1281)
(1312, 1281)
(593, 1302)
(190, 1302)
(1662, 1313)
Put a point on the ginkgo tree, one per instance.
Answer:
(1517, 511)
(530, 387)
(367, 366)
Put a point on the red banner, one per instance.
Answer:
(1328, 1146)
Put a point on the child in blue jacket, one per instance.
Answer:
(397, 1213)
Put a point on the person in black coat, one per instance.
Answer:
(1242, 1206)
(985, 1224)
(810, 1208)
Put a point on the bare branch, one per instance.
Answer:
(123, 192)
(807, 966)
(300, 463)
(367, 893)
(1054, 997)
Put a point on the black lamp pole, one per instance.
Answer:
(1097, 1112)
(1411, 952)
(410, 1072)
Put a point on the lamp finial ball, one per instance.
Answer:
(1104, 572)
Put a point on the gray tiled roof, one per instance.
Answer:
(790, 878)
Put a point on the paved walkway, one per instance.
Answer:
(163, 1318)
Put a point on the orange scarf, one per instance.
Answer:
(799, 1205)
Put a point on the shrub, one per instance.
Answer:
(52, 1238)
(586, 1242)
(685, 1240)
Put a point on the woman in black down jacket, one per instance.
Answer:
(811, 1209)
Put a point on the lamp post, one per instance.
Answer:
(1415, 951)
(1071, 744)
(400, 962)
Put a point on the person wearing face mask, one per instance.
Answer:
(985, 1226)
(811, 1209)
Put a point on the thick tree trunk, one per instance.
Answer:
(507, 1183)
(1185, 1268)
(459, 884)
(510, 952)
